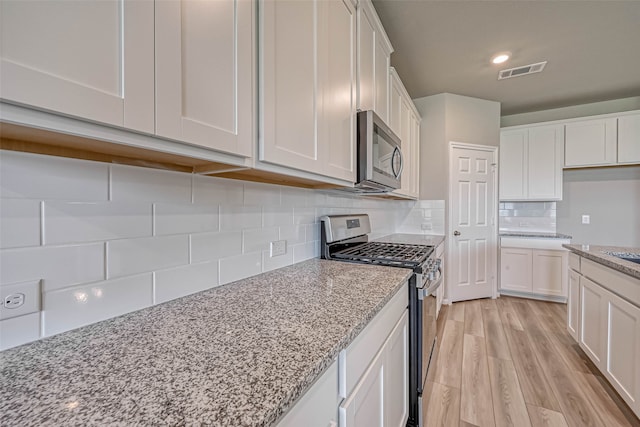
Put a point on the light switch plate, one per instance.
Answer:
(19, 299)
(586, 219)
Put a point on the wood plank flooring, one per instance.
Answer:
(511, 362)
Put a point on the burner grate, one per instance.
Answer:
(386, 253)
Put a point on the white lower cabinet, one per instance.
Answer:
(380, 398)
(573, 304)
(534, 267)
(609, 325)
(368, 385)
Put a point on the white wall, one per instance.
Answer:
(574, 111)
(104, 240)
(611, 196)
(447, 117)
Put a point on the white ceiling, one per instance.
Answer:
(592, 49)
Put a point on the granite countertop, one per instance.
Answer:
(413, 239)
(599, 254)
(534, 235)
(238, 354)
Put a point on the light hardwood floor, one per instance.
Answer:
(511, 362)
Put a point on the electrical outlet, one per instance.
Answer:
(586, 219)
(19, 299)
(278, 248)
(426, 226)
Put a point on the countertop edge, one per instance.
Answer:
(612, 262)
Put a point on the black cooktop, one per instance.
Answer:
(392, 254)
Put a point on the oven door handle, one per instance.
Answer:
(425, 292)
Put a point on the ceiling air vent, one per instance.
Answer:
(521, 71)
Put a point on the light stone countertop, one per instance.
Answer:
(534, 235)
(599, 255)
(238, 354)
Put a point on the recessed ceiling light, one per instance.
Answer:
(500, 57)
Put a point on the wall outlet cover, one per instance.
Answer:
(277, 248)
(586, 219)
(19, 299)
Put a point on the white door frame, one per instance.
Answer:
(493, 262)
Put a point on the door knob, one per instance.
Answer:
(456, 233)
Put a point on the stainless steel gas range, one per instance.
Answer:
(346, 238)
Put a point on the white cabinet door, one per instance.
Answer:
(515, 269)
(396, 375)
(92, 60)
(204, 63)
(290, 91)
(308, 77)
(623, 349)
(365, 406)
(590, 142)
(545, 157)
(593, 321)
(550, 273)
(374, 54)
(513, 165)
(338, 76)
(629, 139)
(318, 407)
(573, 304)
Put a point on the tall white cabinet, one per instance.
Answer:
(308, 91)
(92, 60)
(531, 161)
(374, 59)
(204, 73)
(404, 120)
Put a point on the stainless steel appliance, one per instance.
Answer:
(379, 156)
(345, 238)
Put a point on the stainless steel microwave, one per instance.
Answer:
(379, 155)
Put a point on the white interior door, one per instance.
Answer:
(472, 222)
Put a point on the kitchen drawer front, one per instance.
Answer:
(354, 360)
(619, 283)
(574, 262)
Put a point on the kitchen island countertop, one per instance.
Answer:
(599, 254)
(239, 354)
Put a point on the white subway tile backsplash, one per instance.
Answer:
(178, 282)
(258, 239)
(305, 251)
(136, 184)
(240, 267)
(19, 223)
(172, 218)
(304, 215)
(153, 235)
(131, 256)
(272, 263)
(277, 215)
(74, 307)
(210, 246)
(293, 234)
(74, 222)
(19, 330)
(207, 189)
(256, 193)
(56, 266)
(31, 176)
(234, 217)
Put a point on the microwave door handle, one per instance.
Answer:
(396, 151)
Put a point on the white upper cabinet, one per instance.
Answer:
(404, 120)
(590, 142)
(204, 71)
(531, 163)
(629, 139)
(374, 59)
(308, 91)
(92, 60)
